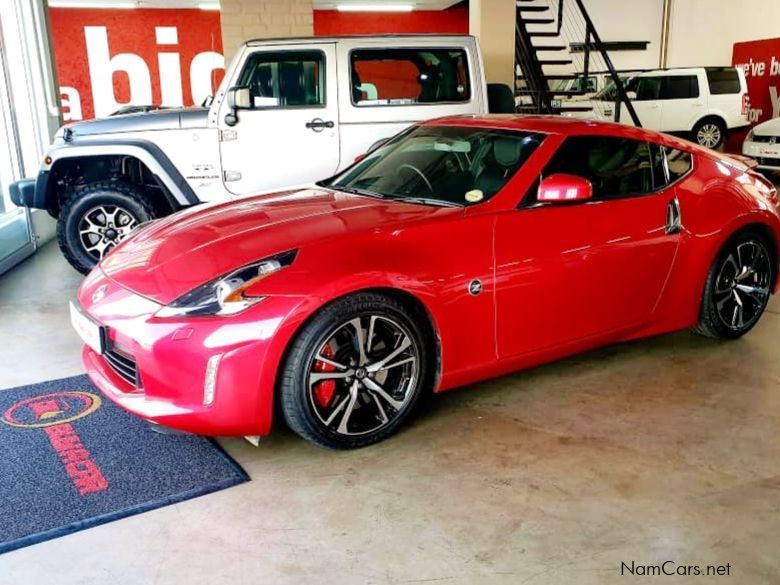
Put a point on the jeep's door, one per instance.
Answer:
(288, 132)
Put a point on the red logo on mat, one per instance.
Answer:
(54, 413)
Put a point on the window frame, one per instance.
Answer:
(323, 61)
(529, 201)
(461, 48)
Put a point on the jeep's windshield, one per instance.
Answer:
(440, 165)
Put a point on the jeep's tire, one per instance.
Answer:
(354, 373)
(710, 132)
(738, 287)
(96, 217)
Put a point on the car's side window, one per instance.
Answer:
(396, 77)
(680, 87)
(648, 88)
(285, 79)
(678, 163)
(616, 167)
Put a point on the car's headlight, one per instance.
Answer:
(749, 137)
(226, 295)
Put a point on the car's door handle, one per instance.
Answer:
(673, 217)
(318, 124)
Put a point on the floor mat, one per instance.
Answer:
(70, 459)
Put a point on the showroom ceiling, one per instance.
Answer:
(318, 4)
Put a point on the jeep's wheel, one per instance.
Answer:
(96, 217)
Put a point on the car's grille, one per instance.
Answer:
(123, 365)
(768, 161)
(767, 139)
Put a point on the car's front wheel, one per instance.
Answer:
(737, 289)
(96, 217)
(355, 371)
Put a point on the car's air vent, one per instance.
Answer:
(124, 366)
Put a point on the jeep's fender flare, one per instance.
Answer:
(144, 151)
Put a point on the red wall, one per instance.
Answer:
(133, 32)
(130, 31)
(331, 22)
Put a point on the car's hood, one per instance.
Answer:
(172, 119)
(768, 128)
(175, 254)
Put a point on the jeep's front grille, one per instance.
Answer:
(124, 366)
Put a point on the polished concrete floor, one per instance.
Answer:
(661, 450)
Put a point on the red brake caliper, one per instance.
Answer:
(323, 391)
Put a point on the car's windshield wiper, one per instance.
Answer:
(425, 201)
(356, 191)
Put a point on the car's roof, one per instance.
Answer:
(336, 38)
(564, 126)
(545, 125)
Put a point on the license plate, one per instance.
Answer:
(90, 332)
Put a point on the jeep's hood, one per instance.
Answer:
(174, 255)
(172, 119)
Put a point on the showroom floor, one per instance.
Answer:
(665, 449)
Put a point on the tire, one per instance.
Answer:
(346, 411)
(738, 287)
(710, 132)
(126, 203)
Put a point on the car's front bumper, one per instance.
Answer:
(156, 368)
(767, 154)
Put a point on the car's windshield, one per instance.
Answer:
(444, 165)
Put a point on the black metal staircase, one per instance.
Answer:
(556, 40)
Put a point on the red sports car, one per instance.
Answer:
(462, 249)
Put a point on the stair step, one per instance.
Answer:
(540, 48)
(533, 8)
(547, 34)
(555, 61)
(539, 20)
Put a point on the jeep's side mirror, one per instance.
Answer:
(238, 98)
(564, 188)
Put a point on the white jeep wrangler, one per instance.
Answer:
(289, 111)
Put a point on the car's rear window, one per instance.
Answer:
(723, 81)
(396, 77)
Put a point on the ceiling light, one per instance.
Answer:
(208, 5)
(374, 7)
(90, 4)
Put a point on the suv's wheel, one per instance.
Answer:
(354, 372)
(738, 288)
(96, 217)
(710, 132)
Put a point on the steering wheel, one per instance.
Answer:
(420, 173)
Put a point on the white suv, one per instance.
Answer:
(706, 101)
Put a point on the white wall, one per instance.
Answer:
(702, 32)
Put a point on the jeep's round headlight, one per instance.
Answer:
(226, 295)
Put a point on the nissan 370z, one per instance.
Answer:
(462, 249)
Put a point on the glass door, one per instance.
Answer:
(29, 115)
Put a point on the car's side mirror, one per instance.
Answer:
(238, 98)
(564, 188)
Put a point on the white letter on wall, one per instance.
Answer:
(201, 68)
(170, 67)
(102, 67)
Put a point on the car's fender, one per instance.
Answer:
(148, 153)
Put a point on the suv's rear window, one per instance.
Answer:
(723, 81)
(382, 77)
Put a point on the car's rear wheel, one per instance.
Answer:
(737, 289)
(355, 372)
(96, 217)
(710, 132)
